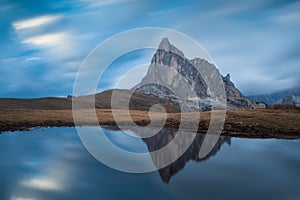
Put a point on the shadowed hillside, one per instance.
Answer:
(138, 101)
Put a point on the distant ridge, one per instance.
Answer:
(289, 96)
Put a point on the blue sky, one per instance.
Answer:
(43, 43)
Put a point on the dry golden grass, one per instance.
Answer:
(254, 123)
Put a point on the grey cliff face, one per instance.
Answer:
(236, 98)
(171, 75)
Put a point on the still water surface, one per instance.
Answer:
(52, 163)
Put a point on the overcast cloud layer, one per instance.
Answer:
(42, 43)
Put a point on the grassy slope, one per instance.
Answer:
(138, 101)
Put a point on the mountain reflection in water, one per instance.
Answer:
(164, 137)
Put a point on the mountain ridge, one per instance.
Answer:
(190, 78)
(288, 96)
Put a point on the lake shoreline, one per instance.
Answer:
(278, 122)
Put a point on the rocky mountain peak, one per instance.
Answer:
(173, 76)
(164, 44)
(168, 47)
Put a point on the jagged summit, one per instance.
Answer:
(164, 44)
(173, 76)
(167, 46)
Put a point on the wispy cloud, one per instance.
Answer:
(230, 9)
(47, 39)
(102, 3)
(287, 18)
(42, 183)
(35, 22)
(20, 198)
